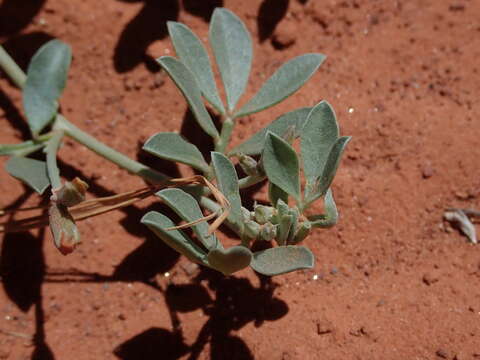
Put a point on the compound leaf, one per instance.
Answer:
(188, 209)
(30, 171)
(317, 138)
(174, 147)
(227, 180)
(280, 162)
(284, 82)
(232, 47)
(185, 81)
(282, 259)
(192, 53)
(46, 79)
(254, 145)
(176, 239)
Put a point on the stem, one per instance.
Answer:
(225, 134)
(51, 151)
(11, 68)
(108, 153)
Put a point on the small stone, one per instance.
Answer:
(429, 278)
(324, 328)
(427, 172)
(284, 35)
(441, 353)
(122, 317)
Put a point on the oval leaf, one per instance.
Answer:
(230, 260)
(185, 81)
(280, 162)
(284, 82)
(176, 239)
(188, 209)
(227, 180)
(30, 171)
(46, 79)
(232, 47)
(317, 138)
(279, 126)
(174, 147)
(192, 53)
(281, 260)
(331, 165)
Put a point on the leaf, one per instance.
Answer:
(227, 180)
(275, 194)
(331, 165)
(317, 138)
(176, 239)
(281, 260)
(284, 225)
(46, 79)
(232, 47)
(20, 149)
(188, 209)
(30, 171)
(192, 53)
(185, 81)
(283, 83)
(331, 213)
(65, 233)
(230, 260)
(174, 147)
(279, 126)
(280, 162)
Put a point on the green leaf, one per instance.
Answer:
(283, 83)
(279, 126)
(20, 149)
(331, 165)
(331, 213)
(280, 162)
(174, 147)
(284, 225)
(65, 233)
(275, 194)
(185, 81)
(192, 53)
(317, 138)
(176, 239)
(227, 180)
(46, 79)
(281, 260)
(30, 171)
(232, 47)
(230, 260)
(188, 209)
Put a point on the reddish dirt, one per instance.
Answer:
(391, 281)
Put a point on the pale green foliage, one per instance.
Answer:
(267, 155)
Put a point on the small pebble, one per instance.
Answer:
(284, 35)
(427, 172)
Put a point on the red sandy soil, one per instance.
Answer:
(391, 280)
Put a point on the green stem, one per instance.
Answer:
(108, 153)
(11, 68)
(51, 151)
(225, 134)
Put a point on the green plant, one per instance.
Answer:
(268, 154)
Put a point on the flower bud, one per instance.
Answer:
(263, 213)
(302, 232)
(252, 229)
(249, 165)
(268, 232)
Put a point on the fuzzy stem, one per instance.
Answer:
(108, 153)
(225, 134)
(11, 68)
(51, 151)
